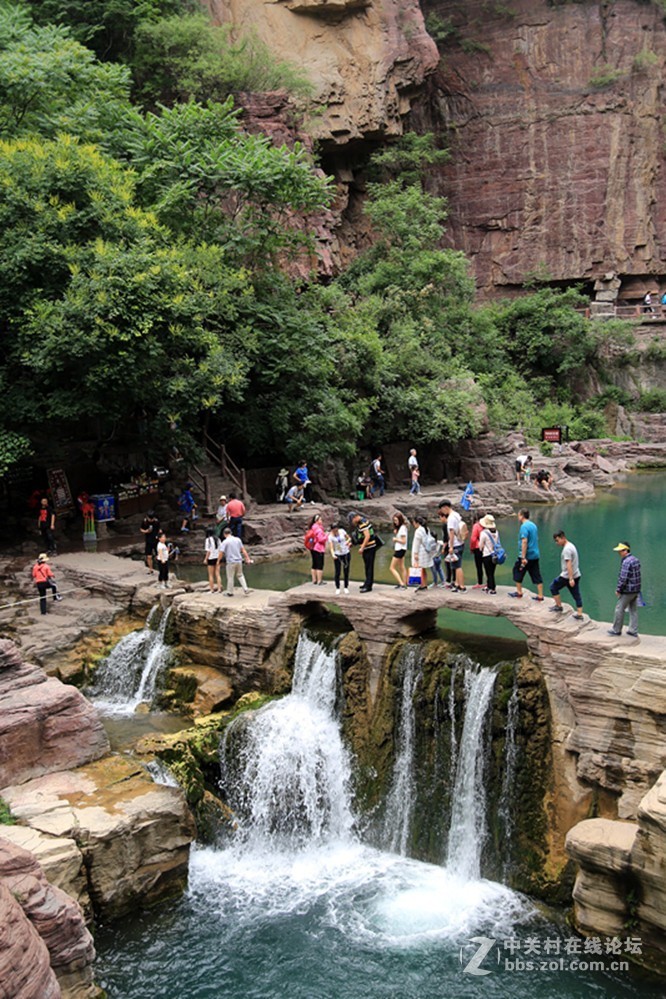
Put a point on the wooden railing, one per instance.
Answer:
(200, 480)
(217, 453)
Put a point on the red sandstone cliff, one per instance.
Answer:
(553, 114)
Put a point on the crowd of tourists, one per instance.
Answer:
(436, 560)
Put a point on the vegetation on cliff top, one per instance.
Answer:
(143, 284)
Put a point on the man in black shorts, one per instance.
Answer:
(150, 530)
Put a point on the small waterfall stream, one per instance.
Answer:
(467, 830)
(402, 792)
(128, 675)
(285, 769)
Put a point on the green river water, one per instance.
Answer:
(337, 919)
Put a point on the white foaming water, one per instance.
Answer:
(287, 775)
(510, 763)
(128, 675)
(285, 769)
(402, 792)
(468, 812)
(368, 896)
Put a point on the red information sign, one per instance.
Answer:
(551, 434)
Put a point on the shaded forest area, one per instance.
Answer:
(144, 279)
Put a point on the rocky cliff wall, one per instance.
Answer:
(364, 58)
(553, 114)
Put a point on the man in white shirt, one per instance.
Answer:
(233, 552)
(569, 576)
(454, 542)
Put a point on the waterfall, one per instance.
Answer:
(285, 770)
(468, 812)
(452, 722)
(128, 675)
(505, 813)
(402, 792)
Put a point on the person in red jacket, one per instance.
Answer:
(44, 580)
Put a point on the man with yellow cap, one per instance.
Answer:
(627, 591)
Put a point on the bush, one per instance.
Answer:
(186, 57)
(590, 423)
(653, 401)
(604, 76)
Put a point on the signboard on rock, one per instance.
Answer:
(553, 435)
(60, 491)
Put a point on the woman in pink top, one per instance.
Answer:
(476, 551)
(315, 541)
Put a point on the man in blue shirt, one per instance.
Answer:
(528, 556)
(627, 591)
(301, 478)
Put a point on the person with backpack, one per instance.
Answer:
(315, 541)
(489, 541)
(456, 535)
(43, 578)
(212, 558)
(424, 549)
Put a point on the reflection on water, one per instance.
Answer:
(124, 730)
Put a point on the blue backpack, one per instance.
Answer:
(499, 555)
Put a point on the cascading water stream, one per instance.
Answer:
(128, 675)
(468, 812)
(504, 811)
(285, 769)
(402, 792)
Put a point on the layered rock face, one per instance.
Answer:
(365, 58)
(44, 724)
(45, 948)
(621, 879)
(552, 112)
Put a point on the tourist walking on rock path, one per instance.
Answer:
(569, 577)
(46, 520)
(475, 549)
(400, 538)
(281, 485)
(528, 556)
(414, 473)
(627, 591)
(364, 535)
(163, 560)
(150, 528)
(315, 541)
(377, 477)
(339, 544)
(187, 507)
(43, 578)
(235, 514)
(212, 558)
(233, 552)
(424, 548)
(456, 532)
(488, 539)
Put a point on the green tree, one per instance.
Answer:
(49, 83)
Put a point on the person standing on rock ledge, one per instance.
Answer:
(569, 576)
(528, 556)
(364, 536)
(44, 580)
(627, 591)
(233, 552)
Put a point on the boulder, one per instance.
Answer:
(25, 966)
(134, 835)
(56, 918)
(45, 725)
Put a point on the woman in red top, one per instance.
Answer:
(316, 538)
(476, 551)
(44, 580)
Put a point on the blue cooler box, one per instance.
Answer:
(105, 507)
